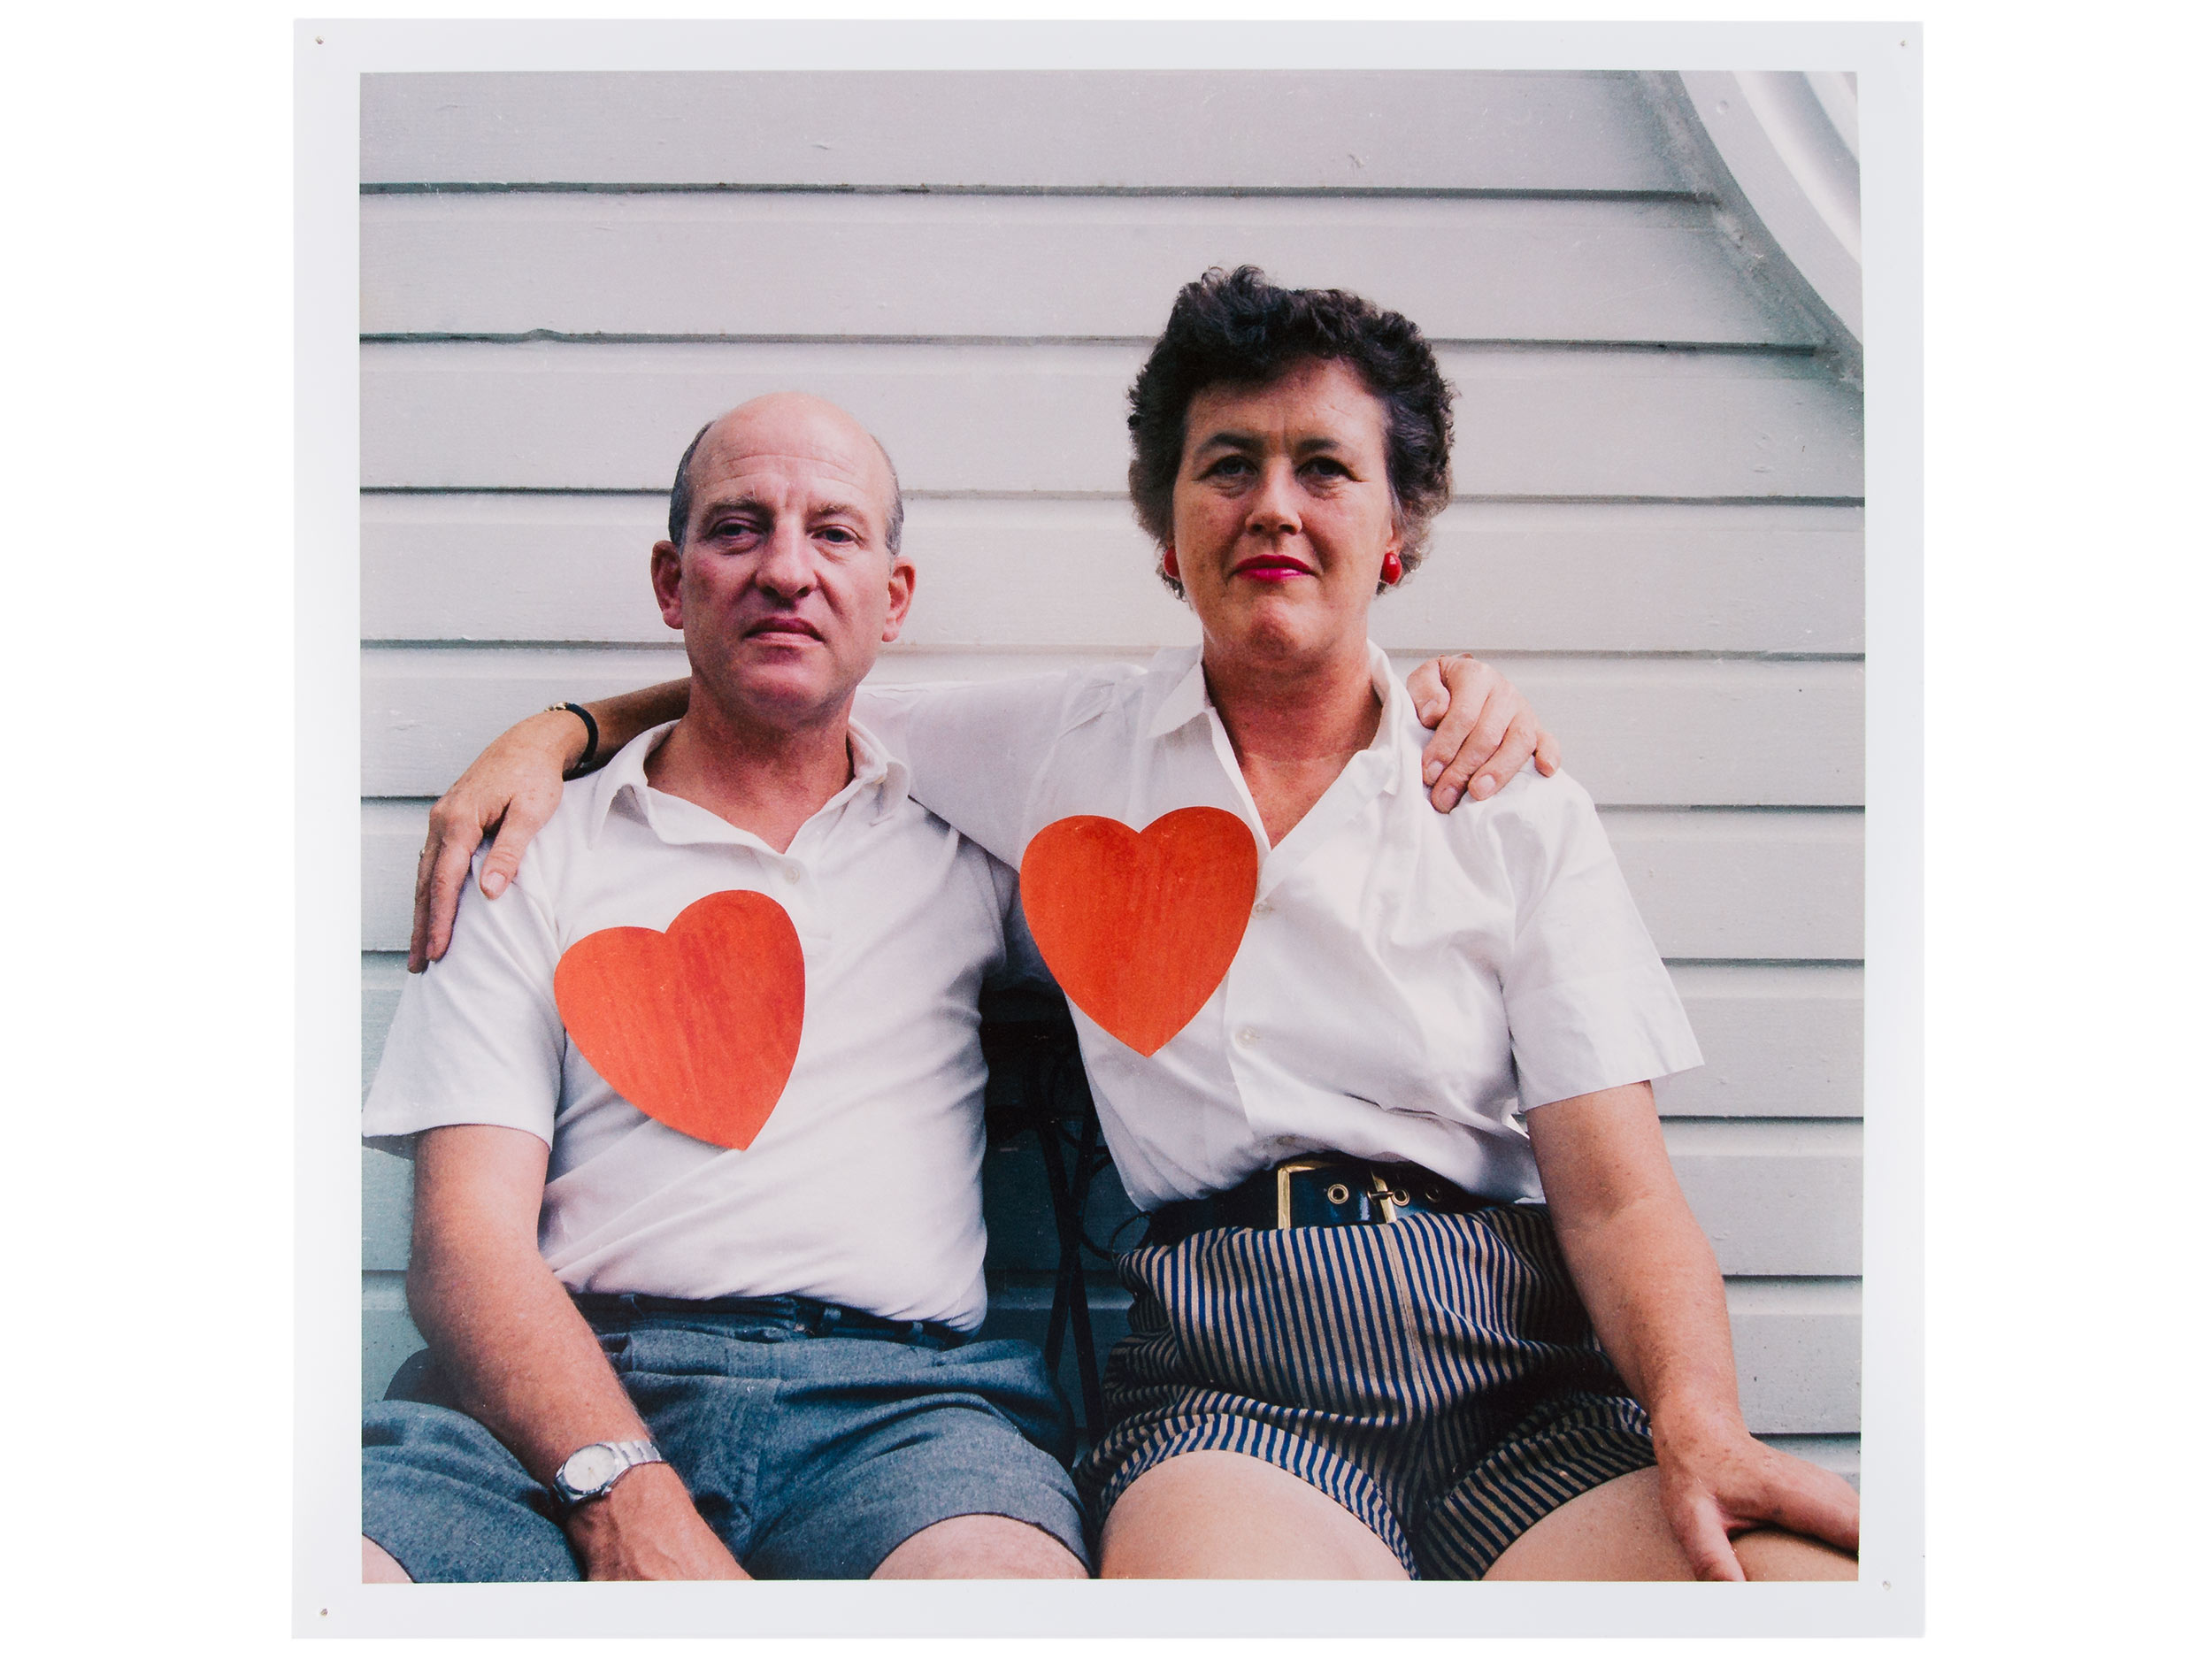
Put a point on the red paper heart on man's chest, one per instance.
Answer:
(1140, 928)
(698, 1027)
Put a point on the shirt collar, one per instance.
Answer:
(1183, 670)
(876, 772)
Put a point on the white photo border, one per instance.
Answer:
(328, 1599)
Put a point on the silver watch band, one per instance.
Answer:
(618, 1458)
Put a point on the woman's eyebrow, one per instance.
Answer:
(1231, 439)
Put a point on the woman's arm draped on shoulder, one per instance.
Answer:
(974, 750)
(513, 787)
(1653, 1293)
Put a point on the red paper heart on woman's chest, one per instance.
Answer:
(1140, 928)
(698, 1027)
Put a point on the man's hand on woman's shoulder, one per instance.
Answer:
(1485, 730)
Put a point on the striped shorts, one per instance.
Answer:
(1437, 1377)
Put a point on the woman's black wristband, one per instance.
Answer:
(591, 738)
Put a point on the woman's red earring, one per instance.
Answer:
(1393, 571)
(1167, 564)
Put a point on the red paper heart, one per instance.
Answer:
(1139, 929)
(698, 1027)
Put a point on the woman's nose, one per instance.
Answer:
(1274, 509)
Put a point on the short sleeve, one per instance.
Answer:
(1588, 1001)
(973, 752)
(478, 1038)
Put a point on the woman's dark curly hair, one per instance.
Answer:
(1237, 328)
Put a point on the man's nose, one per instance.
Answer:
(786, 564)
(1274, 508)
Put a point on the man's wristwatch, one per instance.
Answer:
(589, 1472)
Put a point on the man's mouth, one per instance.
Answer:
(771, 626)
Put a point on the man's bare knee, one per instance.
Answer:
(378, 1567)
(981, 1546)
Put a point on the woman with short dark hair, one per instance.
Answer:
(1412, 1118)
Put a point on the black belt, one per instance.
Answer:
(1325, 1190)
(804, 1313)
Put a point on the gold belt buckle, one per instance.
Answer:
(1283, 1171)
(1387, 1198)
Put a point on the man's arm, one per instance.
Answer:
(1485, 731)
(1653, 1293)
(523, 1361)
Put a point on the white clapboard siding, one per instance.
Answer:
(1765, 886)
(1523, 269)
(1774, 1197)
(1060, 130)
(383, 976)
(1797, 1354)
(1779, 1041)
(1027, 419)
(1639, 731)
(1518, 576)
(1775, 886)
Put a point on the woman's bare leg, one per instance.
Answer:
(1618, 1531)
(1222, 1515)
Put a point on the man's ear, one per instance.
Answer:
(668, 581)
(902, 597)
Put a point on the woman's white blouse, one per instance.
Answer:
(1410, 981)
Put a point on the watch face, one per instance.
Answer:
(591, 1468)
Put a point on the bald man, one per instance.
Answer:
(696, 1108)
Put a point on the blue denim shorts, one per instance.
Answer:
(811, 1456)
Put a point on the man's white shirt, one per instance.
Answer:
(863, 1187)
(1410, 981)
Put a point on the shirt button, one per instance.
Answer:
(791, 874)
(1263, 908)
(1247, 1037)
